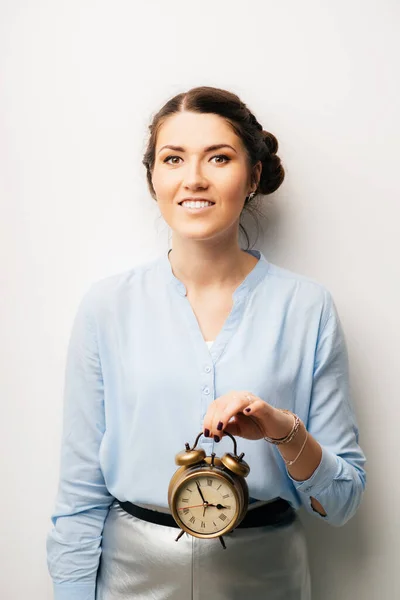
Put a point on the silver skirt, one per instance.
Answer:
(142, 561)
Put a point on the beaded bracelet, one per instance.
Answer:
(288, 438)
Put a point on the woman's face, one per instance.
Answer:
(194, 170)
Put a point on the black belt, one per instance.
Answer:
(277, 512)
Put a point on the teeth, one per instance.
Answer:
(196, 204)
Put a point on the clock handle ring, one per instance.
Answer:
(225, 433)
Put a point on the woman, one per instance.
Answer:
(207, 338)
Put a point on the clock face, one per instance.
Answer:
(206, 504)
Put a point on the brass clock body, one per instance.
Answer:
(208, 496)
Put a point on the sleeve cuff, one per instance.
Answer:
(72, 591)
(322, 477)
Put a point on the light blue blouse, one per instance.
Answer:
(138, 381)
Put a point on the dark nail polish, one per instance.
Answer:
(206, 432)
(247, 409)
(219, 426)
(216, 438)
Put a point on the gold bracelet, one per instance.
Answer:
(288, 438)
(291, 462)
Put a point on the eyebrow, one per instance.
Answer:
(208, 149)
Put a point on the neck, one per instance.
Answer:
(201, 266)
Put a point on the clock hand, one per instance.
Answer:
(200, 492)
(205, 505)
(196, 506)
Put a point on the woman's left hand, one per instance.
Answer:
(228, 413)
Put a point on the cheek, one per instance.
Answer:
(232, 179)
(232, 187)
(164, 184)
(157, 182)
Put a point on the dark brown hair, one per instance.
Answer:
(260, 145)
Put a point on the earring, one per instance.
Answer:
(250, 196)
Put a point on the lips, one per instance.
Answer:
(195, 200)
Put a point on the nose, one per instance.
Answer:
(194, 177)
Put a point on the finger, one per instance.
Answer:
(258, 409)
(225, 411)
(233, 427)
(208, 419)
(211, 420)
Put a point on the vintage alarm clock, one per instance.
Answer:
(208, 496)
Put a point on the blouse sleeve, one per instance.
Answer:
(339, 480)
(82, 503)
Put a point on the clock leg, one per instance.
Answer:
(221, 539)
(180, 535)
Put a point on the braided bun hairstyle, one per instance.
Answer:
(260, 145)
(264, 147)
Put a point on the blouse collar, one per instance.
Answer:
(248, 284)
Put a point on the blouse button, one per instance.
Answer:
(206, 390)
(207, 369)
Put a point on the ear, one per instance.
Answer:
(257, 173)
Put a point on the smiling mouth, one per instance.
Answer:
(194, 207)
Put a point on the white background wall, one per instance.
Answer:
(79, 82)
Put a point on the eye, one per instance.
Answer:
(168, 158)
(227, 159)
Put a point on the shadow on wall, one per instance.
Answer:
(339, 557)
(343, 560)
